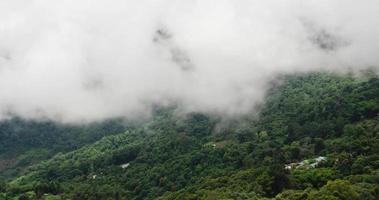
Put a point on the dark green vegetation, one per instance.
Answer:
(24, 142)
(202, 157)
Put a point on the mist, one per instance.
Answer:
(85, 61)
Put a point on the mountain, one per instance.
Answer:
(315, 137)
(26, 142)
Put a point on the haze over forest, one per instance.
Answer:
(84, 61)
(189, 100)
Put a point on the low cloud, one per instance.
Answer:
(82, 60)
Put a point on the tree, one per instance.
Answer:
(2, 186)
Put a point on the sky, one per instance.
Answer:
(87, 60)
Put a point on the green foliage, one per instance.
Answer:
(343, 190)
(200, 157)
(317, 177)
(2, 186)
(24, 143)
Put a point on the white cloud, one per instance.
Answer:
(83, 60)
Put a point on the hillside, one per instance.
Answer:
(201, 156)
(26, 142)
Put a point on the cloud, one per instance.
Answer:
(82, 60)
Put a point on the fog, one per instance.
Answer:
(87, 60)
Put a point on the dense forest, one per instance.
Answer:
(315, 137)
(26, 142)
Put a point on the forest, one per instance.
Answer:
(315, 137)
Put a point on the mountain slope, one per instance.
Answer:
(25, 142)
(203, 157)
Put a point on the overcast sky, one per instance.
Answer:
(88, 60)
